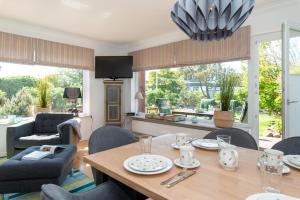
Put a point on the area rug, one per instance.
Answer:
(79, 182)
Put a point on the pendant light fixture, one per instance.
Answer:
(204, 20)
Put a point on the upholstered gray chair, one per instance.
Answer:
(289, 146)
(45, 124)
(238, 137)
(106, 191)
(107, 138)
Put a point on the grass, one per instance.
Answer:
(265, 121)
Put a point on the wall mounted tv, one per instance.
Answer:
(113, 67)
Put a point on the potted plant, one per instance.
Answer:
(224, 118)
(43, 96)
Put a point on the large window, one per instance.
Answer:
(195, 89)
(20, 86)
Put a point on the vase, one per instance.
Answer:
(223, 119)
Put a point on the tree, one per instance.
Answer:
(18, 105)
(206, 75)
(2, 98)
(270, 80)
(190, 99)
(12, 85)
(165, 83)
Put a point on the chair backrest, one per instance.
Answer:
(54, 192)
(239, 137)
(105, 138)
(46, 123)
(289, 146)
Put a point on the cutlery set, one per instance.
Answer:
(177, 178)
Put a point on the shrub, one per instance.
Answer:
(18, 105)
(43, 93)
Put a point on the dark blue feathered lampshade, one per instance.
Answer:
(204, 20)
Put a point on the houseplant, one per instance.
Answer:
(224, 118)
(43, 96)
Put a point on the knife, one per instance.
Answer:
(181, 178)
(173, 177)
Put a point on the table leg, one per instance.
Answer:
(71, 172)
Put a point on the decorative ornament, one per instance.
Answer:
(204, 20)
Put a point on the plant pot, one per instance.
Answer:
(223, 119)
(42, 110)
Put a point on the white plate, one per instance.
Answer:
(147, 163)
(169, 165)
(286, 161)
(294, 159)
(206, 144)
(285, 170)
(270, 196)
(196, 163)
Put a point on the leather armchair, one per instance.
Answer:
(45, 125)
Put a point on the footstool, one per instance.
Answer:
(17, 175)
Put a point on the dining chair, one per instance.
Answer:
(106, 138)
(289, 146)
(239, 137)
(108, 190)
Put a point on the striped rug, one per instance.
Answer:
(79, 182)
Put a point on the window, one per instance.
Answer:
(195, 89)
(19, 88)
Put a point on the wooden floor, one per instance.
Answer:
(82, 150)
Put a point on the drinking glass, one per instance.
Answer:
(223, 140)
(271, 165)
(187, 155)
(145, 143)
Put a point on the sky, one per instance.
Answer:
(10, 69)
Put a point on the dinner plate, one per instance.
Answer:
(286, 161)
(285, 169)
(270, 196)
(294, 159)
(208, 144)
(196, 163)
(167, 168)
(147, 163)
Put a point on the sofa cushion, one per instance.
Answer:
(49, 167)
(46, 123)
(23, 142)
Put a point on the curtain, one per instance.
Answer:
(189, 52)
(16, 48)
(63, 55)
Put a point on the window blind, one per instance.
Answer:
(189, 52)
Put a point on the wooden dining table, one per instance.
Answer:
(210, 182)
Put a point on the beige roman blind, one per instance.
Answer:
(153, 58)
(63, 55)
(189, 52)
(16, 48)
(236, 47)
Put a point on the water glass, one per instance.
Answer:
(145, 143)
(271, 165)
(223, 140)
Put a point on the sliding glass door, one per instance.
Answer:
(291, 79)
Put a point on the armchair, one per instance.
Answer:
(42, 131)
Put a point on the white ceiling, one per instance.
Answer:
(119, 21)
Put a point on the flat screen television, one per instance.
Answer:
(113, 67)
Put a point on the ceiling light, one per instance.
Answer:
(210, 19)
(75, 4)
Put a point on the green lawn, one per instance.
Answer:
(265, 121)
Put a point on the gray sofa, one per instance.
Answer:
(19, 175)
(45, 124)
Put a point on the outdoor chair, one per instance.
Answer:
(289, 146)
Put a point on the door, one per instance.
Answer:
(291, 79)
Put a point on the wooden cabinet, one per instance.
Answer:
(113, 96)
